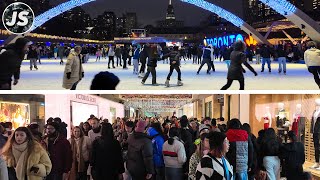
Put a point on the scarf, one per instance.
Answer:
(20, 152)
(78, 162)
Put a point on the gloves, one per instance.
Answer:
(68, 75)
(82, 74)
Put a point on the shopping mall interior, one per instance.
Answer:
(283, 112)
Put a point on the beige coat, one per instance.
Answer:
(74, 66)
(86, 147)
(38, 158)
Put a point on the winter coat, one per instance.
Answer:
(208, 54)
(174, 155)
(3, 140)
(265, 52)
(111, 52)
(86, 147)
(226, 54)
(32, 54)
(106, 160)
(157, 143)
(210, 168)
(186, 137)
(270, 147)
(294, 158)
(74, 66)
(140, 154)
(144, 55)
(3, 170)
(60, 155)
(125, 53)
(312, 57)
(61, 51)
(38, 157)
(10, 63)
(136, 54)
(240, 151)
(174, 57)
(281, 52)
(118, 52)
(235, 71)
(152, 61)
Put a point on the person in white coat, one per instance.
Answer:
(312, 60)
(73, 72)
(111, 54)
(174, 155)
(3, 170)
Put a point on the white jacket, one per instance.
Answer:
(111, 52)
(312, 57)
(174, 155)
(86, 147)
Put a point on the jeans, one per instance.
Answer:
(229, 82)
(74, 86)
(228, 62)
(151, 70)
(33, 62)
(135, 65)
(282, 64)
(55, 55)
(272, 165)
(316, 147)
(119, 60)
(315, 70)
(111, 59)
(264, 60)
(174, 173)
(205, 61)
(177, 68)
(258, 58)
(241, 176)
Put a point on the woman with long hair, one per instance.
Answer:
(80, 146)
(26, 158)
(235, 71)
(174, 155)
(153, 58)
(106, 160)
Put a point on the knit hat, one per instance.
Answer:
(104, 81)
(54, 124)
(141, 126)
(203, 127)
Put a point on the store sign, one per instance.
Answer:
(223, 40)
(86, 98)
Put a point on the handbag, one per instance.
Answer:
(12, 173)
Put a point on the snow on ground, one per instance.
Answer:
(50, 73)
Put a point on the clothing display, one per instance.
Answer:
(266, 123)
(315, 130)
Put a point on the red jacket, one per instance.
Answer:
(60, 155)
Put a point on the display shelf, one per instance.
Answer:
(308, 144)
(315, 173)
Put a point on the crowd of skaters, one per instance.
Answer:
(149, 148)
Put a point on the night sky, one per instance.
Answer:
(149, 11)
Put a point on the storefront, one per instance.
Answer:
(76, 108)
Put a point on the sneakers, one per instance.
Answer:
(167, 83)
(180, 83)
(316, 165)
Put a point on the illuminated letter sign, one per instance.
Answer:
(224, 40)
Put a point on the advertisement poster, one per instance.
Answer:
(17, 113)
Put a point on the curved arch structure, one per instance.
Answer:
(235, 20)
(296, 16)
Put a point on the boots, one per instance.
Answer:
(179, 83)
(167, 83)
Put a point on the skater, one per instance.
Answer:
(143, 60)
(118, 55)
(235, 71)
(11, 57)
(258, 54)
(73, 72)
(226, 55)
(32, 55)
(199, 53)
(125, 55)
(39, 51)
(55, 52)
(98, 54)
(61, 54)
(131, 50)
(111, 54)
(174, 64)
(206, 58)
(136, 56)
(152, 64)
(312, 59)
(266, 53)
(282, 60)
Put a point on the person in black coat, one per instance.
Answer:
(153, 58)
(10, 62)
(293, 157)
(33, 56)
(143, 60)
(235, 71)
(125, 55)
(174, 64)
(266, 54)
(106, 159)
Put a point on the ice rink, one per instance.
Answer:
(50, 73)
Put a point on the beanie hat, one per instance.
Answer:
(184, 121)
(141, 126)
(54, 124)
(203, 127)
(104, 81)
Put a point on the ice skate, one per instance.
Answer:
(180, 83)
(167, 83)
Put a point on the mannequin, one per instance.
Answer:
(296, 120)
(267, 119)
(281, 117)
(315, 130)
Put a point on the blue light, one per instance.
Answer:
(48, 43)
(235, 20)
(224, 40)
(61, 8)
(283, 7)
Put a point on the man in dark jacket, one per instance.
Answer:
(10, 62)
(143, 59)
(174, 64)
(118, 55)
(140, 154)
(33, 56)
(125, 55)
(266, 54)
(207, 57)
(241, 149)
(60, 152)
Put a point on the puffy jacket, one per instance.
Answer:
(174, 57)
(281, 52)
(312, 57)
(207, 53)
(175, 154)
(265, 52)
(157, 143)
(32, 54)
(241, 150)
(111, 52)
(140, 154)
(136, 54)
